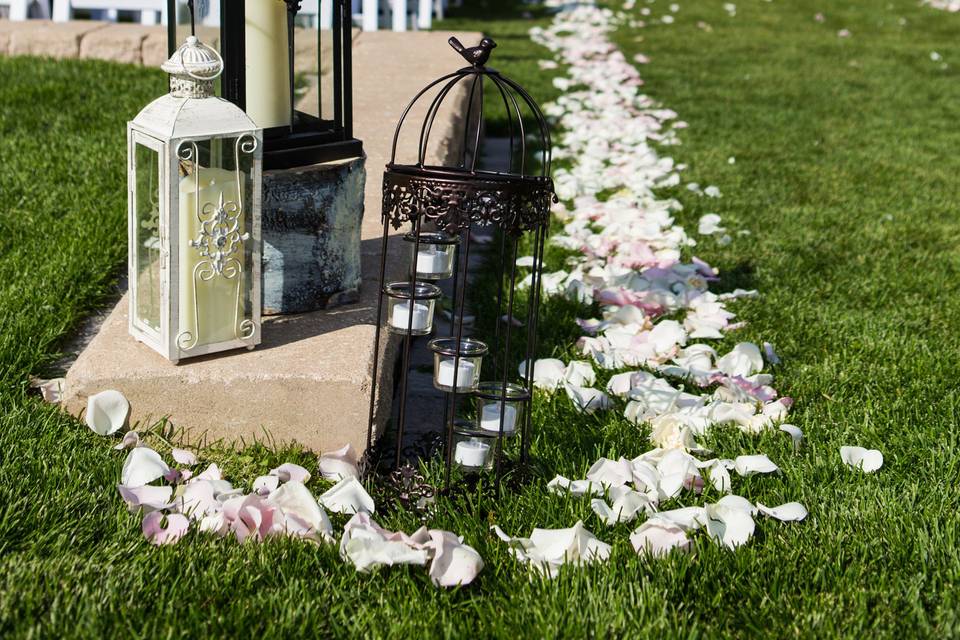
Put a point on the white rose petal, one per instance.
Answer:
(141, 467)
(789, 512)
(107, 412)
(749, 465)
(867, 460)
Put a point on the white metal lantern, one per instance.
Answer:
(194, 166)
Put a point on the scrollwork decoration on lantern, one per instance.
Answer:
(220, 239)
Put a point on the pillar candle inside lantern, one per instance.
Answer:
(211, 303)
(267, 61)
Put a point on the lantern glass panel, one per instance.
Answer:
(146, 237)
(313, 65)
(215, 247)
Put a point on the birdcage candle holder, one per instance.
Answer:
(444, 207)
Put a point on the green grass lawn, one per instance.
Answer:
(844, 176)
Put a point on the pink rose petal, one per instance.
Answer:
(155, 533)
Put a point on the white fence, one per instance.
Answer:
(371, 15)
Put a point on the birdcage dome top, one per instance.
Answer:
(511, 189)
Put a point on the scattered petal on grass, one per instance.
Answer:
(737, 502)
(454, 563)
(789, 512)
(867, 460)
(743, 360)
(303, 515)
(720, 478)
(586, 399)
(368, 546)
(627, 503)
(611, 473)
(107, 412)
(252, 518)
(146, 497)
(198, 499)
(289, 472)
(210, 473)
(131, 439)
(729, 525)
(548, 373)
(51, 390)
(546, 550)
(265, 485)
(142, 466)
(184, 457)
(772, 356)
(659, 537)
(749, 465)
(709, 225)
(347, 496)
(687, 518)
(577, 488)
(795, 434)
(339, 464)
(155, 532)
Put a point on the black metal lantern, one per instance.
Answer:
(257, 44)
(487, 405)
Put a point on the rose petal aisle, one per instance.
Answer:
(629, 257)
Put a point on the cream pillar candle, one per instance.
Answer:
(214, 302)
(268, 82)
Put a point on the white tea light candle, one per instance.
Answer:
(431, 261)
(490, 418)
(472, 453)
(466, 373)
(400, 318)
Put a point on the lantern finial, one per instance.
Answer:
(193, 68)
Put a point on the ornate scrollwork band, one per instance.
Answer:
(452, 203)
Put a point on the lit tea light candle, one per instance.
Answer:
(400, 318)
(490, 418)
(472, 453)
(431, 261)
(466, 373)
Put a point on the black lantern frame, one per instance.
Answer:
(308, 139)
(457, 201)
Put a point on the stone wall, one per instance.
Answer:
(124, 42)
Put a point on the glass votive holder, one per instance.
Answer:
(435, 255)
(410, 308)
(493, 404)
(474, 452)
(457, 367)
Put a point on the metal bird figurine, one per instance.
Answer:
(478, 55)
